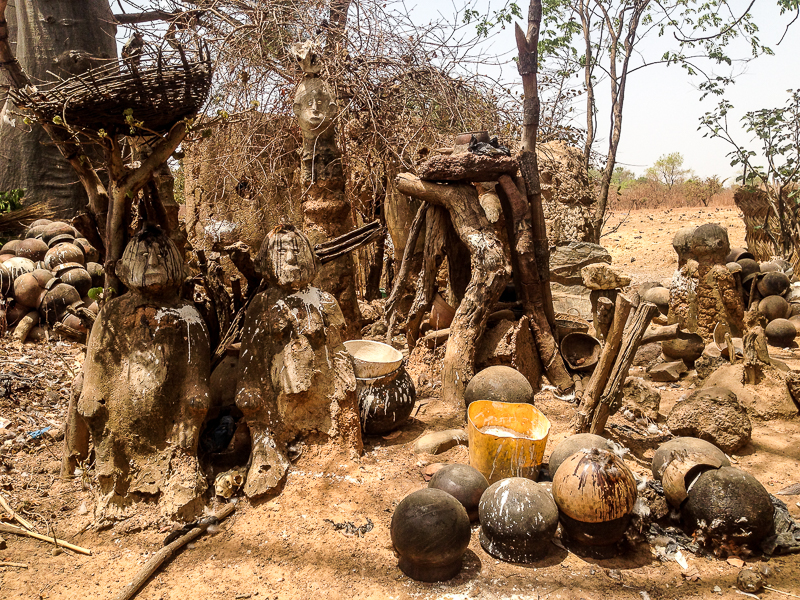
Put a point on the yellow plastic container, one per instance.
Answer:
(506, 439)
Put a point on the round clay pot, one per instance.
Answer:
(5, 257)
(685, 444)
(595, 493)
(688, 347)
(6, 281)
(774, 307)
(373, 359)
(385, 403)
(780, 333)
(33, 249)
(90, 253)
(19, 266)
(63, 253)
(795, 320)
(465, 483)
(737, 254)
(97, 273)
(574, 443)
(499, 384)
(580, 351)
(61, 238)
(35, 231)
(38, 334)
(74, 323)
(41, 222)
(729, 506)
(29, 288)
(769, 267)
(57, 228)
(749, 266)
(15, 313)
(773, 284)
(430, 531)
(54, 304)
(734, 267)
(518, 520)
(10, 247)
(75, 275)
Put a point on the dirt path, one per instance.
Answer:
(284, 549)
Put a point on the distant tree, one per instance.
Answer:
(668, 169)
(701, 191)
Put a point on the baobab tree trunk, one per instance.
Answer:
(65, 38)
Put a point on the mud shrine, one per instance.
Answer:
(513, 397)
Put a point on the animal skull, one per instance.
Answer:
(228, 483)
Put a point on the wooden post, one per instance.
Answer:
(630, 344)
(597, 382)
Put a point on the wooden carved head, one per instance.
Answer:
(314, 107)
(151, 263)
(287, 258)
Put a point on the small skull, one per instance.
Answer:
(228, 483)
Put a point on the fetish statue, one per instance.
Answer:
(296, 379)
(145, 392)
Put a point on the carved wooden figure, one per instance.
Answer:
(145, 392)
(295, 377)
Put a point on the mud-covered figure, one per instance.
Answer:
(295, 377)
(718, 298)
(316, 110)
(683, 289)
(145, 392)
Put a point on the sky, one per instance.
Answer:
(662, 104)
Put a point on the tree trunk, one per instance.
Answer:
(65, 38)
(490, 271)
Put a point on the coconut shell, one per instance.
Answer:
(430, 532)
(518, 519)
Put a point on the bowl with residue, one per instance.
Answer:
(373, 359)
(506, 439)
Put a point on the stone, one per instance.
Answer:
(566, 285)
(768, 399)
(440, 441)
(707, 364)
(640, 398)
(668, 371)
(647, 354)
(715, 415)
(600, 276)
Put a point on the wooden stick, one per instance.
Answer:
(662, 334)
(400, 282)
(11, 564)
(166, 553)
(46, 538)
(633, 337)
(777, 591)
(26, 524)
(731, 348)
(597, 383)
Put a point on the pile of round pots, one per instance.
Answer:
(769, 284)
(593, 496)
(45, 276)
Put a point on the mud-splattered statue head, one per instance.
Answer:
(314, 107)
(709, 243)
(151, 263)
(287, 258)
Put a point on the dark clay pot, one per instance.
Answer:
(430, 531)
(499, 384)
(465, 483)
(780, 333)
(33, 249)
(729, 506)
(518, 520)
(385, 403)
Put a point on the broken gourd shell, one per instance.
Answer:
(666, 450)
(680, 471)
(595, 493)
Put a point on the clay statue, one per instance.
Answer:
(145, 391)
(704, 292)
(326, 210)
(295, 377)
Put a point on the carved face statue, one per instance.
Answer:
(151, 263)
(287, 258)
(314, 107)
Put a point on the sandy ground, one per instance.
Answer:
(284, 549)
